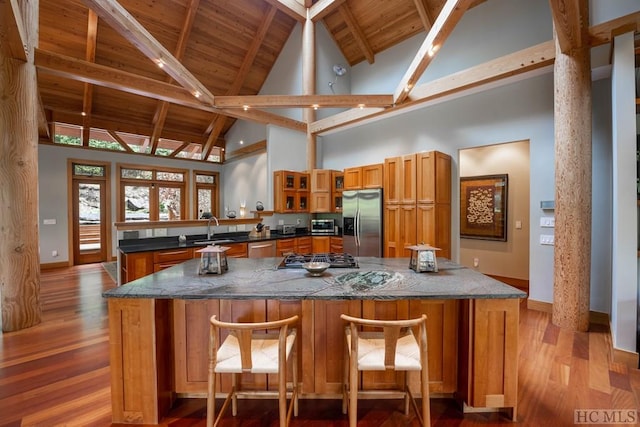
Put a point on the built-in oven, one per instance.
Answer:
(323, 226)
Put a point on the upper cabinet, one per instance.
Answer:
(291, 191)
(434, 170)
(326, 190)
(400, 179)
(362, 177)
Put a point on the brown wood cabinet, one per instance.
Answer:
(337, 185)
(301, 245)
(320, 244)
(335, 245)
(170, 257)
(304, 245)
(135, 265)
(400, 179)
(290, 191)
(417, 196)
(361, 177)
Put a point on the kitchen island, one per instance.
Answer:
(159, 328)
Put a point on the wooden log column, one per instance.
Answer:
(572, 254)
(19, 256)
(309, 85)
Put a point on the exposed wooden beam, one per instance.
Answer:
(567, 22)
(303, 101)
(120, 141)
(12, 32)
(90, 56)
(162, 109)
(604, 33)
(357, 33)
(291, 8)
(43, 122)
(213, 136)
(128, 27)
(446, 21)
(76, 69)
(520, 62)
(322, 8)
(179, 149)
(248, 150)
(425, 17)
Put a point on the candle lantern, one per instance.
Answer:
(213, 260)
(423, 258)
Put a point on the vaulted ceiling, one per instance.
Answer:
(98, 61)
(183, 70)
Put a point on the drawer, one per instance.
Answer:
(171, 255)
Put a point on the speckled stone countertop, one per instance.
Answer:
(259, 278)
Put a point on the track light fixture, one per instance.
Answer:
(339, 71)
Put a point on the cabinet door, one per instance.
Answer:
(335, 245)
(321, 180)
(353, 178)
(138, 265)
(285, 246)
(433, 171)
(442, 343)
(337, 181)
(304, 245)
(426, 225)
(391, 192)
(321, 244)
(372, 176)
(329, 343)
(320, 202)
(407, 228)
(237, 250)
(191, 337)
(443, 229)
(392, 244)
(408, 179)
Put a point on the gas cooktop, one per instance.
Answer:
(336, 260)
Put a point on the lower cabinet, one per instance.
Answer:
(321, 244)
(335, 245)
(320, 341)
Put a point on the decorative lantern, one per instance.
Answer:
(423, 258)
(213, 260)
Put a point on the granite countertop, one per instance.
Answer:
(163, 243)
(259, 278)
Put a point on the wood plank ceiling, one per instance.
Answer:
(95, 71)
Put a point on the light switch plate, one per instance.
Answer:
(546, 239)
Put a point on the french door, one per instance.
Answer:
(89, 213)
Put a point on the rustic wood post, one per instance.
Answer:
(19, 243)
(572, 121)
(309, 85)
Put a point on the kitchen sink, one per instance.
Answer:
(213, 242)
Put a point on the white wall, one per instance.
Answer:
(52, 193)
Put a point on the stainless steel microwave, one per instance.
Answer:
(323, 226)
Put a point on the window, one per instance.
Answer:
(207, 196)
(151, 194)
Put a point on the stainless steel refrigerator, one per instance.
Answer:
(362, 222)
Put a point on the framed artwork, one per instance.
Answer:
(483, 207)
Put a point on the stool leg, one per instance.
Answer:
(211, 399)
(295, 382)
(234, 397)
(345, 378)
(426, 412)
(353, 392)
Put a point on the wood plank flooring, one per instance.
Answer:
(57, 373)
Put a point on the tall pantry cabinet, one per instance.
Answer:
(417, 208)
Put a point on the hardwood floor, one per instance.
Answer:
(57, 373)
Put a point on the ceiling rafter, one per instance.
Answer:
(12, 33)
(569, 20)
(357, 33)
(425, 17)
(90, 56)
(162, 109)
(520, 62)
(291, 8)
(128, 27)
(449, 16)
(304, 101)
(218, 122)
(120, 141)
(322, 8)
(101, 75)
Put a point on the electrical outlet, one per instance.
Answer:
(54, 253)
(298, 221)
(476, 262)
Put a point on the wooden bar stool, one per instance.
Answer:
(387, 344)
(252, 348)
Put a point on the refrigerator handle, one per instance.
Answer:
(357, 228)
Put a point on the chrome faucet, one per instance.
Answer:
(209, 231)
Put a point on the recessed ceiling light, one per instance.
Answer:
(245, 107)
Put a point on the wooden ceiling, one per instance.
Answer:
(182, 70)
(99, 68)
